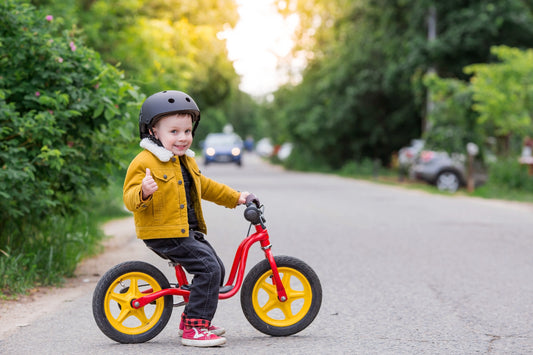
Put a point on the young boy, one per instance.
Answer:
(163, 188)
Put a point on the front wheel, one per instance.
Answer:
(263, 309)
(113, 295)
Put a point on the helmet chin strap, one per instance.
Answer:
(194, 127)
(153, 138)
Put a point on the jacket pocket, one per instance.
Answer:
(164, 178)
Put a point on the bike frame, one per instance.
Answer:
(236, 275)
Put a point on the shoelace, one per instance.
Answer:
(206, 331)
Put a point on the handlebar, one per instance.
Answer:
(253, 213)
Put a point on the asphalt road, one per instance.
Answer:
(402, 272)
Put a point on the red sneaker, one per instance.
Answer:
(201, 337)
(212, 328)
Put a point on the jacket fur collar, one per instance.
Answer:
(160, 152)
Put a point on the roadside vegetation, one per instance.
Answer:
(74, 74)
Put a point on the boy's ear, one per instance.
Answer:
(153, 132)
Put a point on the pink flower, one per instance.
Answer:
(60, 60)
(72, 46)
(96, 86)
(49, 18)
(37, 93)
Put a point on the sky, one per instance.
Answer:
(259, 39)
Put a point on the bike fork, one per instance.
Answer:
(282, 295)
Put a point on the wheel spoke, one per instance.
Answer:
(272, 293)
(271, 304)
(140, 315)
(270, 289)
(124, 314)
(285, 307)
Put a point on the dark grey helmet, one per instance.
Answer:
(164, 103)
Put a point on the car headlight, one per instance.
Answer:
(235, 152)
(210, 151)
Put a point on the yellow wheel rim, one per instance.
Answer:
(118, 310)
(282, 314)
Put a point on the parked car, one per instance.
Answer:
(407, 155)
(447, 172)
(223, 148)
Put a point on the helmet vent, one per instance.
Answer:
(187, 99)
(171, 100)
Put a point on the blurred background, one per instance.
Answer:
(395, 90)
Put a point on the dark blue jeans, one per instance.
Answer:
(199, 259)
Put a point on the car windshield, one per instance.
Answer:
(221, 140)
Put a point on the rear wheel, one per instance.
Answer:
(263, 309)
(113, 295)
(448, 181)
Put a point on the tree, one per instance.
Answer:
(362, 93)
(503, 92)
(452, 123)
(166, 45)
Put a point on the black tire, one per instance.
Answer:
(112, 298)
(448, 181)
(261, 306)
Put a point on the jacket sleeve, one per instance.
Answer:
(212, 190)
(219, 193)
(132, 187)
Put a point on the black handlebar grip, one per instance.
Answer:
(251, 198)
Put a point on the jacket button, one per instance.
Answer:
(173, 159)
(183, 231)
(180, 182)
(182, 206)
(164, 176)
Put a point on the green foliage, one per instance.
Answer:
(451, 123)
(166, 44)
(362, 93)
(365, 168)
(503, 92)
(508, 173)
(64, 114)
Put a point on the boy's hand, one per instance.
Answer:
(242, 197)
(149, 186)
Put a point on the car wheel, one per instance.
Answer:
(448, 181)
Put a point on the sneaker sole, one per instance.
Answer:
(203, 343)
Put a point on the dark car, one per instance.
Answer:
(223, 148)
(447, 172)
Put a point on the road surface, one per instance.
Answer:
(402, 272)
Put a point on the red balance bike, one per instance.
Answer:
(280, 296)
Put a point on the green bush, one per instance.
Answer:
(67, 119)
(511, 175)
(64, 116)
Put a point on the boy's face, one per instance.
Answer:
(175, 132)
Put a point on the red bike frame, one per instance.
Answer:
(237, 272)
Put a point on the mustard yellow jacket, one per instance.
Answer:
(164, 214)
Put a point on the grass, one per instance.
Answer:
(491, 190)
(52, 250)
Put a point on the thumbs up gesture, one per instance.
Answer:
(149, 186)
